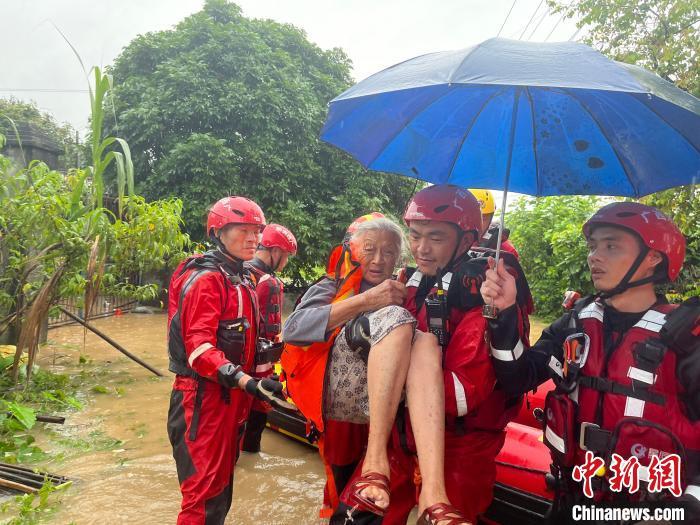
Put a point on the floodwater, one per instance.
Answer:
(134, 480)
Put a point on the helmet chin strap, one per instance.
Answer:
(454, 258)
(625, 283)
(274, 264)
(460, 236)
(222, 249)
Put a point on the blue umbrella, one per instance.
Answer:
(535, 118)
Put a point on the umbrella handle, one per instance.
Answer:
(489, 311)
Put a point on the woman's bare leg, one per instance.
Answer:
(387, 367)
(425, 394)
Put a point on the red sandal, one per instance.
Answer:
(444, 514)
(368, 479)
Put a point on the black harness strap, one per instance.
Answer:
(602, 384)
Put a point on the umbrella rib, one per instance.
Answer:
(605, 134)
(469, 130)
(641, 99)
(408, 122)
(534, 138)
(461, 62)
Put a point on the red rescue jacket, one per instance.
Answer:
(270, 291)
(212, 317)
(631, 393)
(472, 401)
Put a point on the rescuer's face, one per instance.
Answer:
(611, 253)
(241, 240)
(433, 243)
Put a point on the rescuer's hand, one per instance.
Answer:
(270, 390)
(498, 289)
(229, 375)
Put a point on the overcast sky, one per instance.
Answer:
(374, 33)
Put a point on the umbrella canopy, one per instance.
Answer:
(535, 118)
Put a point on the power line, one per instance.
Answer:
(531, 19)
(555, 26)
(539, 23)
(42, 90)
(506, 19)
(575, 34)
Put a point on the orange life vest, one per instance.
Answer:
(305, 366)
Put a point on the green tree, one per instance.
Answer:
(223, 105)
(547, 234)
(659, 35)
(664, 37)
(28, 113)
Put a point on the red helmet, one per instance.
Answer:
(276, 236)
(656, 230)
(446, 203)
(234, 210)
(368, 217)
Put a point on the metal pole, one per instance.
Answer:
(489, 311)
(111, 341)
(17, 486)
(6, 467)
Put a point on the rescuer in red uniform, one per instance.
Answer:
(626, 364)
(276, 246)
(213, 322)
(443, 295)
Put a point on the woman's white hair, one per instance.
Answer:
(385, 225)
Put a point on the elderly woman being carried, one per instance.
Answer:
(352, 352)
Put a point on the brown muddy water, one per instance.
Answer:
(133, 480)
(117, 451)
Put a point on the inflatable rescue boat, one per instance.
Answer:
(521, 494)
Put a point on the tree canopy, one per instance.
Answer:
(664, 37)
(659, 35)
(223, 104)
(547, 233)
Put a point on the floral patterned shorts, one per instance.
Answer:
(346, 397)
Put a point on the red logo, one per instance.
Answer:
(585, 472)
(663, 473)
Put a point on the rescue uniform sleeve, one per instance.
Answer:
(468, 373)
(262, 291)
(518, 369)
(201, 312)
(307, 323)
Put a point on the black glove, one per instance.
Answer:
(229, 375)
(358, 335)
(270, 390)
